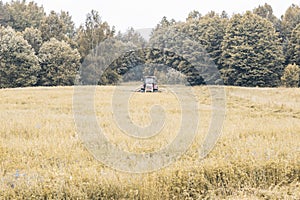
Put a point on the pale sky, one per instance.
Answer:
(141, 14)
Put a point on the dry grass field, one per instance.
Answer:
(256, 157)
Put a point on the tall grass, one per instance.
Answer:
(257, 156)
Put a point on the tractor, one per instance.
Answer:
(150, 84)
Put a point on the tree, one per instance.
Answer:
(290, 76)
(34, 38)
(52, 27)
(224, 15)
(290, 20)
(99, 59)
(212, 14)
(132, 36)
(194, 15)
(293, 54)
(266, 11)
(21, 15)
(164, 23)
(69, 25)
(59, 26)
(209, 31)
(59, 63)
(92, 33)
(3, 14)
(174, 38)
(251, 52)
(19, 65)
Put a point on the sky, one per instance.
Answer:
(141, 14)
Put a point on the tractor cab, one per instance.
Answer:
(150, 84)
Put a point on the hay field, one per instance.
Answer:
(256, 157)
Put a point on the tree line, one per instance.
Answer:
(251, 49)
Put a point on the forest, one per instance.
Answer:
(249, 49)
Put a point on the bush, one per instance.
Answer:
(290, 76)
(19, 66)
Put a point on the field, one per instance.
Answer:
(256, 157)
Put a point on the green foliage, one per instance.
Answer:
(100, 58)
(266, 11)
(92, 33)
(224, 15)
(69, 25)
(251, 52)
(180, 39)
(164, 23)
(34, 38)
(109, 77)
(290, 76)
(290, 19)
(294, 46)
(134, 39)
(209, 31)
(21, 15)
(19, 65)
(131, 36)
(59, 26)
(59, 63)
(3, 14)
(194, 15)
